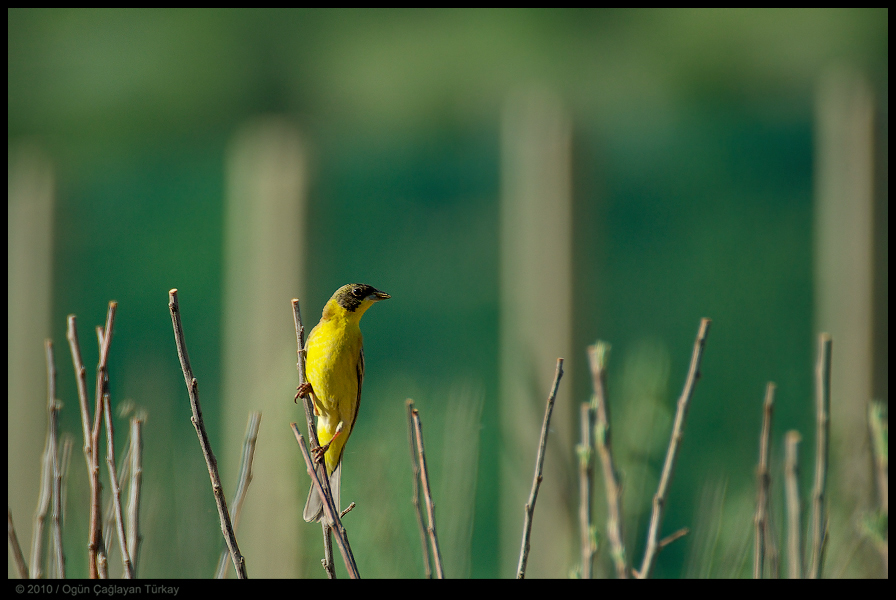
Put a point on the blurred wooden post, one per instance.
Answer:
(535, 329)
(29, 262)
(263, 270)
(844, 197)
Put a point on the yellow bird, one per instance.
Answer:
(334, 368)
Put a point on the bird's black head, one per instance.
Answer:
(351, 296)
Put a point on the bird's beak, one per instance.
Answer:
(377, 296)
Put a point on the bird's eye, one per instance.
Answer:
(357, 292)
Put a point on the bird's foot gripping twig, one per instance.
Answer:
(303, 390)
(319, 452)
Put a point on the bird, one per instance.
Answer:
(334, 369)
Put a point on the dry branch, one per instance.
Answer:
(427, 495)
(792, 490)
(136, 455)
(415, 468)
(18, 557)
(585, 451)
(81, 380)
(46, 475)
(116, 491)
(239, 563)
(822, 428)
(659, 499)
(53, 407)
(95, 534)
(245, 478)
(597, 356)
(763, 479)
(536, 480)
(330, 510)
(96, 552)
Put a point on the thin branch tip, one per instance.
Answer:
(659, 499)
(196, 418)
(529, 509)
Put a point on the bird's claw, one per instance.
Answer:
(319, 452)
(302, 390)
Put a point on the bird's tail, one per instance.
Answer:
(314, 508)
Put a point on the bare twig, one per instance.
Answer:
(597, 357)
(659, 499)
(673, 536)
(822, 427)
(54, 406)
(81, 379)
(18, 557)
(245, 479)
(330, 510)
(585, 451)
(760, 520)
(90, 458)
(327, 561)
(300, 367)
(48, 462)
(116, 491)
(134, 489)
(94, 535)
(427, 495)
(95, 545)
(529, 509)
(415, 468)
(102, 565)
(96, 552)
(109, 512)
(239, 562)
(64, 461)
(792, 489)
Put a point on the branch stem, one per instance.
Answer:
(822, 428)
(136, 455)
(763, 480)
(427, 495)
(239, 562)
(792, 491)
(18, 557)
(415, 468)
(245, 479)
(116, 491)
(659, 499)
(330, 511)
(597, 356)
(96, 550)
(53, 408)
(585, 453)
(529, 509)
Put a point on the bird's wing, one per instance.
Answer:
(336, 475)
(360, 382)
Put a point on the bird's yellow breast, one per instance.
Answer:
(334, 370)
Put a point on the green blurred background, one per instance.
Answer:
(694, 192)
